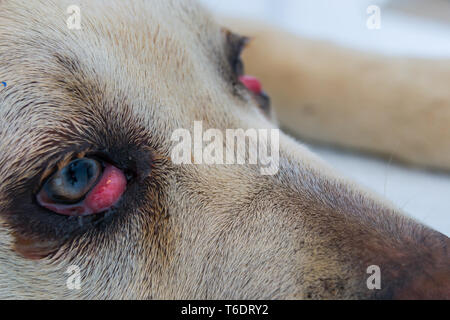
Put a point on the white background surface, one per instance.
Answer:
(424, 195)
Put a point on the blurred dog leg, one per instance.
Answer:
(393, 106)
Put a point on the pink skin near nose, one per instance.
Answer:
(252, 83)
(103, 196)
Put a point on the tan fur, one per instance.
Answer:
(137, 71)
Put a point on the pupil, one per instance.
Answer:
(73, 182)
(78, 173)
(72, 174)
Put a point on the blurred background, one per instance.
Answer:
(418, 28)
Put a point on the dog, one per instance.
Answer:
(87, 179)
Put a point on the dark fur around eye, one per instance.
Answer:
(235, 46)
(39, 232)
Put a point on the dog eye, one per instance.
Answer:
(70, 184)
(83, 187)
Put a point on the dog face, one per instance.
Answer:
(114, 92)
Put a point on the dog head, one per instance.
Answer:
(108, 98)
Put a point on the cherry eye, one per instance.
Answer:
(252, 84)
(83, 187)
